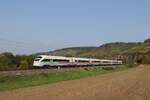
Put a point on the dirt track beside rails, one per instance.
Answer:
(132, 84)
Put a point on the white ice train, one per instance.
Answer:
(46, 61)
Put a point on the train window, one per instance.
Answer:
(81, 61)
(45, 60)
(60, 60)
(105, 61)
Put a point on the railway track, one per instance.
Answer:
(46, 70)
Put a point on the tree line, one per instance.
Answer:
(8, 61)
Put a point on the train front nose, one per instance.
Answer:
(36, 63)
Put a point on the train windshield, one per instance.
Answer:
(37, 58)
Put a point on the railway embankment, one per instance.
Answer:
(45, 76)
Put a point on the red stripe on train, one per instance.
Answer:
(82, 63)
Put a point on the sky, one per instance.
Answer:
(31, 26)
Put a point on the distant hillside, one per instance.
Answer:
(108, 50)
(111, 49)
(74, 51)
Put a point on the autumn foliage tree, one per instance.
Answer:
(23, 65)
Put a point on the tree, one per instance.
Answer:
(23, 65)
(7, 60)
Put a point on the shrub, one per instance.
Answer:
(143, 59)
(12, 67)
(23, 65)
(87, 69)
(108, 68)
(146, 59)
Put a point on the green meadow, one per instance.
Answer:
(19, 81)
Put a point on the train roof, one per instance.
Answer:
(81, 58)
(76, 58)
(53, 57)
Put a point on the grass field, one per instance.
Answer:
(12, 82)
